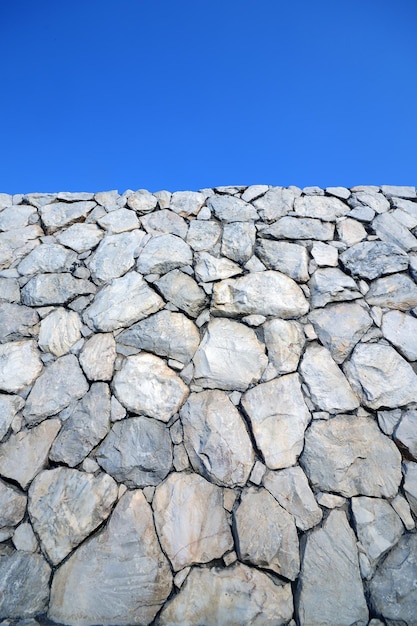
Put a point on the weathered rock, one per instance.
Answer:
(405, 434)
(350, 456)
(380, 376)
(369, 198)
(9, 406)
(401, 331)
(320, 207)
(329, 389)
(187, 534)
(121, 303)
(300, 228)
(24, 585)
(25, 453)
(330, 588)
(330, 284)
(16, 217)
(230, 209)
(203, 235)
(119, 221)
(17, 243)
(20, 365)
(24, 538)
(187, 203)
(119, 576)
(389, 229)
(209, 268)
(142, 201)
(260, 293)
(115, 255)
(183, 292)
(146, 386)
(289, 258)
(12, 507)
(275, 203)
(9, 290)
(371, 259)
(16, 321)
(229, 357)
(410, 484)
(162, 254)
(269, 540)
(137, 452)
(66, 505)
(46, 259)
(278, 417)
(59, 331)
(59, 214)
(238, 241)
(393, 590)
(351, 231)
(48, 289)
(340, 327)
(80, 237)
(284, 341)
(394, 292)
(324, 254)
(291, 489)
(87, 425)
(232, 596)
(60, 383)
(216, 439)
(97, 356)
(164, 222)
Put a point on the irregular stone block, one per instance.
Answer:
(24, 585)
(372, 259)
(97, 356)
(20, 365)
(284, 341)
(54, 289)
(59, 331)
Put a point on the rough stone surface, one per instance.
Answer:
(163, 253)
(48, 258)
(115, 255)
(330, 284)
(284, 341)
(401, 330)
(289, 258)
(59, 331)
(372, 259)
(24, 585)
(20, 365)
(12, 506)
(394, 292)
(97, 357)
(9, 406)
(183, 292)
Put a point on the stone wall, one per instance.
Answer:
(208, 407)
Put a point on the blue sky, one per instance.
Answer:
(185, 94)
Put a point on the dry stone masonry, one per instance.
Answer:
(208, 407)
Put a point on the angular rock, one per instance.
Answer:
(230, 357)
(330, 284)
(24, 538)
(300, 228)
(389, 229)
(60, 383)
(142, 201)
(137, 452)
(115, 255)
(330, 588)
(289, 258)
(401, 330)
(351, 231)
(164, 222)
(16, 321)
(146, 386)
(54, 289)
(203, 235)
(162, 254)
(183, 292)
(275, 203)
(20, 365)
(86, 426)
(16, 217)
(59, 214)
(269, 540)
(371, 259)
(9, 406)
(394, 292)
(12, 507)
(238, 241)
(119, 221)
(278, 417)
(260, 293)
(410, 484)
(117, 577)
(47, 258)
(230, 209)
(9, 290)
(25, 453)
(187, 534)
(367, 198)
(404, 191)
(284, 341)
(340, 327)
(321, 207)
(17, 243)
(291, 489)
(209, 268)
(381, 377)
(97, 356)
(121, 303)
(187, 203)
(329, 389)
(80, 237)
(405, 434)
(66, 505)
(216, 439)
(59, 331)
(24, 585)
(324, 254)
(350, 456)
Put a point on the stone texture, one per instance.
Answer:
(183, 292)
(59, 214)
(80, 237)
(119, 221)
(117, 577)
(142, 201)
(284, 341)
(19, 365)
(330, 284)
(320, 207)
(410, 484)
(230, 209)
(401, 330)
(16, 321)
(46, 259)
(289, 258)
(59, 331)
(12, 507)
(289, 227)
(163, 253)
(394, 292)
(17, 243)
(405, 435)
(54, 289)
(24, 538)
(203, 235)
(187, 203)
(390, 229)
(97, 357)
(238, 241)
(115, 255)
(9, 406)
(209, 268)
(164, 222)
(24, 585)
(372, 259)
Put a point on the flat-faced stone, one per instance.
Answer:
(59, 331)
(9, 406)
(371, 198)
(187, 203)
(9, 290)
(142, 201)
(80, 237)
(394, 292)
(275, 203)
(164, 222)
(12, 507)
(16, 321)
(119, 221)
(47, 258)
(115, 255)
(289, 227)
(390, 229)
(351, 231)
(209, 268)
(405, 435)
(238, 241)
(289, 258)
(203, 235)
(321, 207)
(183, 292)
(230, 209)
(54, 289)
(16, 216)
(284, 341)
(24, 585)
(59, 214)
(401, 330)
(98, 355)
(17, 243)
(163, 253)
(278, 417)
(371, 259)
(324, 254)
(330, 284)
(20, 365)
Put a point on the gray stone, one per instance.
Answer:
(25, 453)
(20, 365)
(9, 406)
(350, 231)
(97, 356)
(371, 259)
(291, 489)
(393, 589)
(60, 383)
(284, 341)
(289, 258)
(163, 253)
(255, 191)
(321, 207)
(216, 439)
(47, 258)
(59, 331)
(230, 209)
(404, 191)
(146, 386)
(389, 229)
(350, 456)
(300, 228)
(278, 427)
(66, 505)
(394, 292)
(230, 356)
(231, 596)
(260, 293)
(182, 291)
(340, 327)
(54, 289)
(87, 425)
(209, 268)
(15, 217)
(142, 201)
(369, 198)
(405, 434)
(9, 290)
(115, 255)
(330, 284)
(119, 221)
(109, 199)
(12, 507)
(275, 203)
(24, 585)
(329, 389)
(164, 222)
(410, 484)
(137, 452)
(59, 214)
(117, 577)
(187, 203)
(121, 303)
(203, 235)
(324, 254)
(238, 241)
(330, 588)
(15, 244)
(24, 538)
(401, 330)
(188, 535)
(16, 321)
(402, 508)
(380, 376)
(168, 334)
(80, 237)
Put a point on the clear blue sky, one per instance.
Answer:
(185, 94)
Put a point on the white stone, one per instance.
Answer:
(20, 365)
(284, 341)
(401, 330)
(80, 237)
(97, 356)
